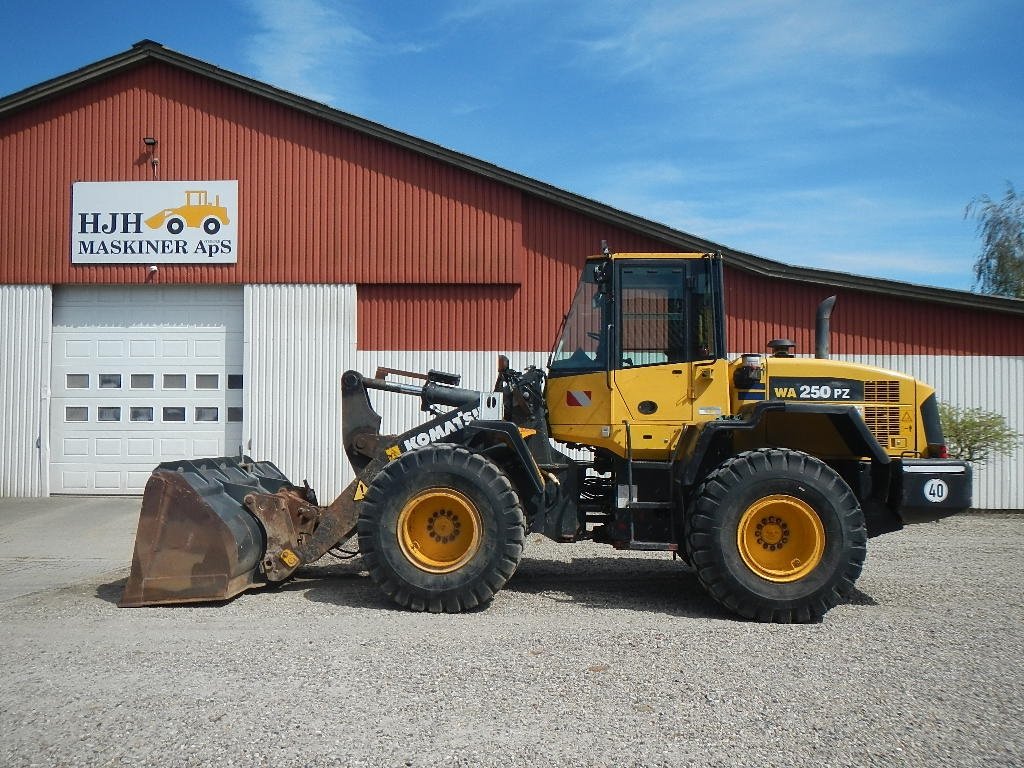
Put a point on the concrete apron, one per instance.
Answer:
(49, 543)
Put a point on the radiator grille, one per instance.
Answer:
(882, 391)
(883, 423)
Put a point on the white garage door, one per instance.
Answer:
(142, 375)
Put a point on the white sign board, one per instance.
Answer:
(154, 222)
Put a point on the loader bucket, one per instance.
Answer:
(196, 541)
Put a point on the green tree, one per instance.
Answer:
(999, 269)
(976, 435)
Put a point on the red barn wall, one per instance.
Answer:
(444, 258)
(319, 203)
(761, 309)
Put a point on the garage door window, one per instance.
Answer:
(108, 413)
(142, 381)
(141, 413)
(110, 381)
(207, 414)
(175, 381)
(76, 413)
(207, 381)
(77, 381)
(173, 413)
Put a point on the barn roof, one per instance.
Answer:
(147, 51)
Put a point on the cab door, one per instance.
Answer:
(666, 368)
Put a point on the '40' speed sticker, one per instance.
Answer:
(936, 490)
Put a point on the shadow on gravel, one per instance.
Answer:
(345, 584)
(859, 598)
(660, 586)
(630, 584)
(111, 591)
(637, 584)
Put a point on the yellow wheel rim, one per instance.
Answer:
(439, 530)
(781, 538)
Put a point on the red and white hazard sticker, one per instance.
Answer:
(578, 398)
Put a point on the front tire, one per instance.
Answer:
(441, 529)
(776, 535)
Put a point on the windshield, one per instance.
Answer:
(582, 345)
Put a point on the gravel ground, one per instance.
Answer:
(589, 657)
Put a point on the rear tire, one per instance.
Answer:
(776, 535)
(441, 529)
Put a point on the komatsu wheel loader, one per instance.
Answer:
(766, 473)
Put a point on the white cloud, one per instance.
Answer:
(734, 40)
(469, 11)
(310, 48)
(769, 62)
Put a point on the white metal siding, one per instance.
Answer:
(25, 329)
(299, 340)
(478, 371)
(991, 383)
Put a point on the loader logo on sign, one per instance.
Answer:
(578, 398)
(154, 222)
(197, 212)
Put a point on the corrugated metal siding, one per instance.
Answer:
(760, 309)
(477, 317)
(357, 209)
(556, 242)
(401, 412)
(991, 383)
(478, 370)
(26, 313)
(299, 339)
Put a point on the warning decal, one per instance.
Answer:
(578, 398)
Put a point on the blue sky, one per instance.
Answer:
(841, 135)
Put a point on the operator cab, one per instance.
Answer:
(641, 311)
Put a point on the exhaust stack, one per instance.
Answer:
(822, 328)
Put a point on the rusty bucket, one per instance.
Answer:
(196, 541)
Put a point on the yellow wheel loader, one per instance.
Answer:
(767, 473)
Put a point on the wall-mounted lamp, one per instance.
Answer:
(154, 161)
